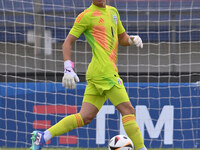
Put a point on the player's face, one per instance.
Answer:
(99, 3)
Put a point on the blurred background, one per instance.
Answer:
(164, 73)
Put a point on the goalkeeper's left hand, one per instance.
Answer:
(70, 77)
(135, 39)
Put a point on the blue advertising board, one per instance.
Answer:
(172, 111)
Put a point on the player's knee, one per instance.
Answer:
(87, 119)
(129, 110)
(126, 109)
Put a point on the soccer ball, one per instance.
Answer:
(120, 142)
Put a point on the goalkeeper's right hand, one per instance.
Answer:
(70, 77)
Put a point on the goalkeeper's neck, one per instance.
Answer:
(99, 3)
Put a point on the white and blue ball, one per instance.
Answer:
(120, 142)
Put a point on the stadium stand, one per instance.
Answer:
(160, 13)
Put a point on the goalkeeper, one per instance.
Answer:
(103, 30)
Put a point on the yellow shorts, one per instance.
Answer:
(116, 94)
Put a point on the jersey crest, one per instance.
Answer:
(119, 81)
(115, 18)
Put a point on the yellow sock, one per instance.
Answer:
(66, 124)
(132, 130)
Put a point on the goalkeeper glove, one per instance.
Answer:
(70, 77)
(135, 39)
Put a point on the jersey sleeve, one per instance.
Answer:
(80, 25)
(120, 27)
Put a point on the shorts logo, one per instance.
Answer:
(115, 18)
(119, 81)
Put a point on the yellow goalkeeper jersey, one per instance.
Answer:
(101, 27)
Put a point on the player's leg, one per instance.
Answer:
(130, 125)
(88, 112)
(92, 103)
(85, 116)
(120, 99)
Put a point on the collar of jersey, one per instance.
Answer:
(99, 8)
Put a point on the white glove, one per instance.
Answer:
(70, 77)
(135, 39)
